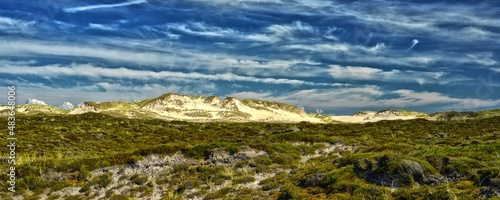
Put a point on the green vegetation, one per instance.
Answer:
(233, 114)
(454, 115)
(413, 159)
(200, 113)
(325, 118)
(265, 105)
(138, 179)
(489, 113)
(411, 113)
(100, 182)
(164, 96)
(202, 150)
(117, 105)
(33, 109)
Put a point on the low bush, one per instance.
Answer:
(138, 179)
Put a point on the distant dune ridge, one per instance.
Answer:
(174, 106)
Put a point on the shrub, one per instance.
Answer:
(463, 152)
(371, 192)
(288, 159)
(101, 181)
(344, 180)
(212, 174)
(53, 197)
(75, 197)
(35, 183)
(274, 182)
(33, 197)
(203, 150)
(181, 168)
(84, 173)
(119, 197)
(138, 179)
(58, 185)
(247, 179)
(488, 177)
(261, 160)
(289, 191)
(220, 194)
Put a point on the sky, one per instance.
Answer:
(328, 56)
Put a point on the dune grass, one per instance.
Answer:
(382, 166)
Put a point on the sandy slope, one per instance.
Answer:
(173, 106)
(4, 108)
(229, 105)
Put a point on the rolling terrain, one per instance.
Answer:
(145, 150)
(173, 106)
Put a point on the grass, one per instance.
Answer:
(265, 105)
(463, 152)
(233, 114)
(101, 181)
(35, 109)
(199, 114)
(164, 96)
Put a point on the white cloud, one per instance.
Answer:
(355, 73)
(392, 18)
(484, 58)
(253, 67)
(394, 75)
(10, 25)
(414, 98)
(174, 57)
(280, 32)
(288, 29)
(413, 43)
(323, 98)
(66, 106)
(319, 47)
(103, 27)
(270, 34)
(153, 32)
(100, 6)
(35, 101)
(121, 73)
(93, 92)
(6, 21)
(368, 97)
(378, 48)
(25, 48)
(199, 28)
(342, 51)
(477, 32)
(17, 62)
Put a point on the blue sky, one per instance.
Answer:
(339, 56)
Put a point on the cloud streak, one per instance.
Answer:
(173, 57)
(368, 97)
(394, 75)
(413, 43)
(101, 6)
(124, 73)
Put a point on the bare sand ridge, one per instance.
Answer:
(204, 109)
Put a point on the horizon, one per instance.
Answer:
(64, 106)
(338, 57)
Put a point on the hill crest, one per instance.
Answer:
(172, 106)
